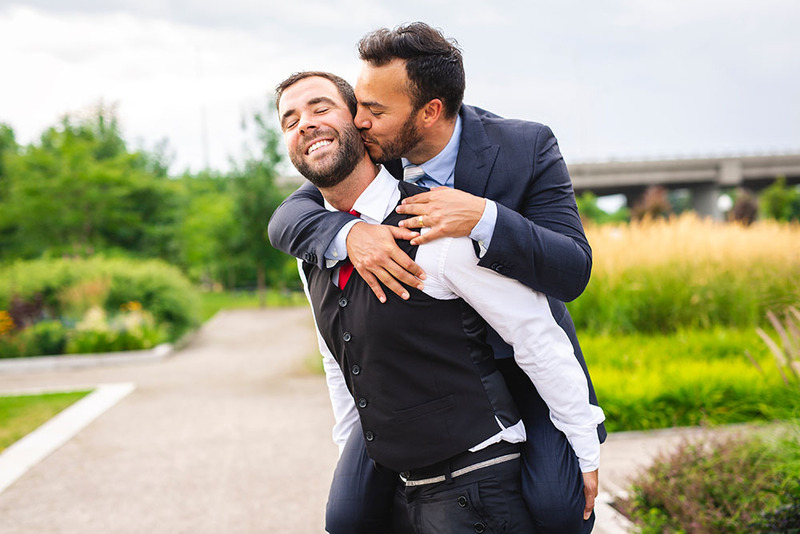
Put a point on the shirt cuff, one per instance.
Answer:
(337, 250)
(482, 233)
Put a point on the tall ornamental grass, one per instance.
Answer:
(663, 275)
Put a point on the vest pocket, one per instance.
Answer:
(422, 410)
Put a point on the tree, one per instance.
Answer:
(781, 202)
(255, 198)
(80, 191)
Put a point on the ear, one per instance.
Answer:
(431, 112)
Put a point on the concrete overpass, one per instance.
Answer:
(705, 178)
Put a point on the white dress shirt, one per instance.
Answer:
(439, 171)
(519, 314)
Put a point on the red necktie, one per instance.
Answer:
(346, 269)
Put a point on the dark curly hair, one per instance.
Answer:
(434, 65)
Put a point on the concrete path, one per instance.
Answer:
(229, 435)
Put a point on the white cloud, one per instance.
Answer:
(614, 79)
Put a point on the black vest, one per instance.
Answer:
(420, 371)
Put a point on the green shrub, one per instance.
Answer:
(716, 486)
(68, 288)
(45, 337)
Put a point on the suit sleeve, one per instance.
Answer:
(303, 228)
(543, 244)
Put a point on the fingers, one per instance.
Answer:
(413, 204)
(374, 253)
(418, 221)
(403, 233)
(587, 511)
(373, 284)
(434, 233)
(590, 488)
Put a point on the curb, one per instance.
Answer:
(81, 361)
(613, 522)
(21, 456)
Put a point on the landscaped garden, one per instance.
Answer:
(92, 305)
(674, 325)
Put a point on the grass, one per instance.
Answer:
(664, 275)
(212, 302)
(686, 378)
(21, 414)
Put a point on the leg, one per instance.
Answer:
(488, 500)
(361, 495)
(552, 482)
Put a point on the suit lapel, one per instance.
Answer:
(476, 154)
(395, 168)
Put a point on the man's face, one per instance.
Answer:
(386, 116)
(318, 129)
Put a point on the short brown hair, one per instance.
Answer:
(344, 88)
(433, 63)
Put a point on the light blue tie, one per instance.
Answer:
(412, 173)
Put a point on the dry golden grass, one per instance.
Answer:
(690, 240)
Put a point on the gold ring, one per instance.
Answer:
(420, 220)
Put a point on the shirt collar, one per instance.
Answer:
(378, 199)
(442, 166)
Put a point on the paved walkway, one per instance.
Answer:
(229, 435)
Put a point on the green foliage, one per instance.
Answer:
(159, 288)
(591, 212)
(255, 198)
(781, 202)
(80, 191)
(45, 337)
(686, 378)
(714, 486)
(674, 295)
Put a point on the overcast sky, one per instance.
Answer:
(615, 79)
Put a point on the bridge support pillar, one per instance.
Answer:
(704, 201)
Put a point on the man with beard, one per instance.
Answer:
(431, 402)
(513, 196)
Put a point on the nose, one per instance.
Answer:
(307, 123)
(361, 120)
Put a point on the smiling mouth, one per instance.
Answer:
(319, 144)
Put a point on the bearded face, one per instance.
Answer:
(390, 147)
(331, 164)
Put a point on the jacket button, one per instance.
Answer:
(362, 402)
(346, 336)
(342, 302)
(356, 369)
(462, 501)
(369, 436)
(479, 527)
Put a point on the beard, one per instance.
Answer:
(334, 167)
(406, 139)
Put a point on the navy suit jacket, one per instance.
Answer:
(538, 237)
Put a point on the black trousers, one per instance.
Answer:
(363, 497)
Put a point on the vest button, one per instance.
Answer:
(346, 336)
(369, 436)
(356, 369)
(342, 302)
(462, 501)
(362, 402)
(479, 527)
